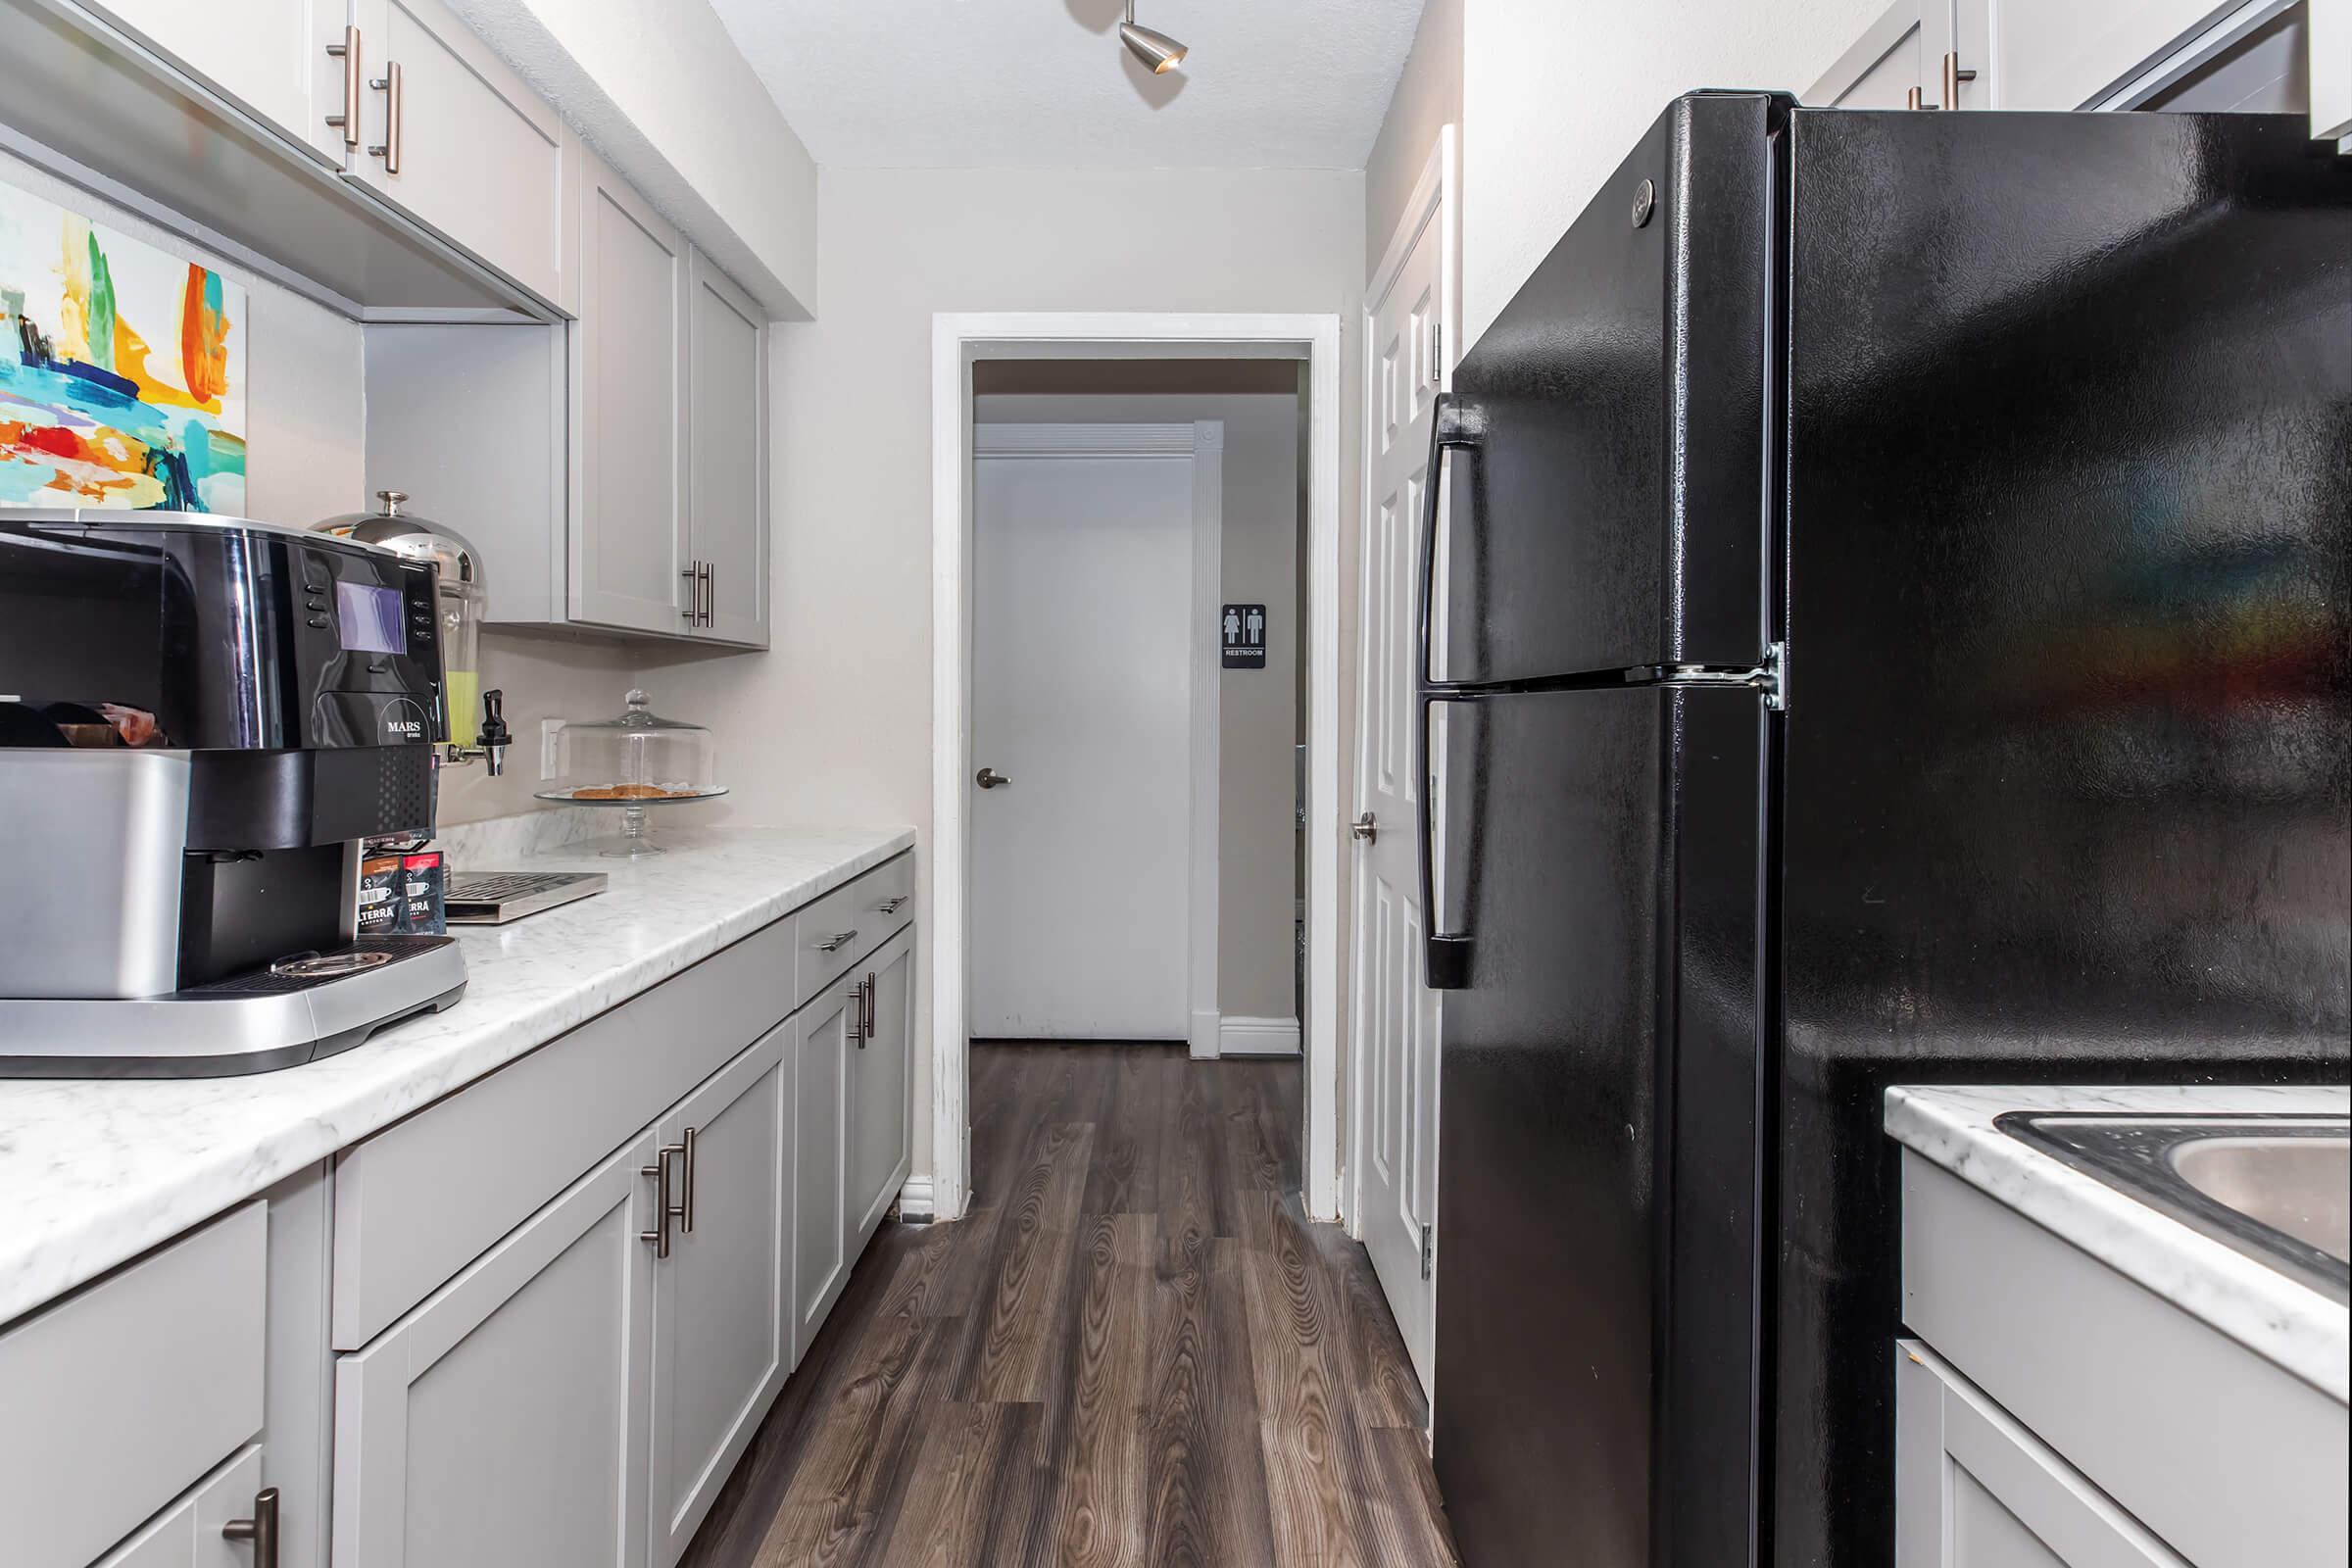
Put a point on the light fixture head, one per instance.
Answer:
(1158, 50)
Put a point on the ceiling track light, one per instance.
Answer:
(1158, 50)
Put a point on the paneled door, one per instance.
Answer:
(722, 1334)
(501, 1424)
(879, 1108)
(726, 476)
(1394, 1018)
(822, 1044)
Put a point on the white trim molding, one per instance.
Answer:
(956, 341)
(915, 1198)
(1258, 1036)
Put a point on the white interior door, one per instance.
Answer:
(1082, 703)
(1395, 1016)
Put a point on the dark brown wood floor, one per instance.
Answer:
(1134, 1350)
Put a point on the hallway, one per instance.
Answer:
(1133, 1350)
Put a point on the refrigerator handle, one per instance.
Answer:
(1444, 954)
(1460, 426)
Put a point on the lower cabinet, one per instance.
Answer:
(501, 1423)
(880, 1113)
(194, 1532)
(824, 1040)
(1974, 1488)
(722, 1331)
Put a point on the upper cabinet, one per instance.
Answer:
(726, 472)
(630, 563)
(268, 56)
(454, 138)
(2276, 56)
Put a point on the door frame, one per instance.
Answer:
(1433, 201)
(958, 340)
(1202, 441)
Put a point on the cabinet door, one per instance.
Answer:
(469, 148)
(501, 1423)
(630, 546)
(187, 1533)
(877, 1140)
(820, 1246)
(721, 1333)
(267, 55)
(1975, 1490)
(726, 478)
(1882, 67)
(2063, 54)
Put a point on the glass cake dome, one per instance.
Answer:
(635, 760)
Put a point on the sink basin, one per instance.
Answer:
(2275, 1188)
(2301, 1186)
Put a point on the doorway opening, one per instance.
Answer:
(1136, 565)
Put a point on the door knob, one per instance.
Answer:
(1365, 827)
(988, 778)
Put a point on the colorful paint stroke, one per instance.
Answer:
(121, 368)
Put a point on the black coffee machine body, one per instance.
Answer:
(201, 720)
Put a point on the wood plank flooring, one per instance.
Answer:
(1132, 1353)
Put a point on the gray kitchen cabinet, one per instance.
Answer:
(268, 57)
(1885, 66)
(726, 472)
(630, 562)
(824, 1041)
(721, 1331)
(117, 1399)
(879, 1110)
(1974, 1488)
(457, 139)
(191, 1532)
(503, 1423)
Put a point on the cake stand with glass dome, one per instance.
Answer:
(635, 763)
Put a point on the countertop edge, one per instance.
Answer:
(53, 1262)
(2268, 1313)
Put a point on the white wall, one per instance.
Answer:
(663, 92)
(1557, 94)
(835, 724)
(1257, 875)
(1428, 96)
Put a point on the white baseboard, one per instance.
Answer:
(1201, 1046)
(1257, 1037)
(914, 1199)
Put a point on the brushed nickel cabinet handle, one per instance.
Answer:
(869, 1032)
(347, 51)
(686, 1209)
(694, 593)
(665, 1205)
(389, 86)
(892, 905)
(260, 1529)
(710, 594)
(838, 941)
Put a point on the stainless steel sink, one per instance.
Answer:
(2272, 1187)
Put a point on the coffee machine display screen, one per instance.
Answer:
(370, 619)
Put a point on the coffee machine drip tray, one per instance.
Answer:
(303, 1007)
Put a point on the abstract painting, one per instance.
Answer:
(121, 368)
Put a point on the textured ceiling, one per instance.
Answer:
(972, 84)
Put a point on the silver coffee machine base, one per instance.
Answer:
(253, 1023)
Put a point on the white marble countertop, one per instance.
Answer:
(94, 1172)
(2271, 1312)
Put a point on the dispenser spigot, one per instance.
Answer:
(491, 737)
(494, 737)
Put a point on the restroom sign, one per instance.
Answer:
(1242, 633)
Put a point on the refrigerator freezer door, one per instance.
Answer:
(2067, 763)
(1613, 510)
(1597, 1254)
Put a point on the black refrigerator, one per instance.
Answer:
(1887, 622)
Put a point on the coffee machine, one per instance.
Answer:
(201, 721)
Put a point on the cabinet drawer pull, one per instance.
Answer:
(893, 906)
(389, 86)
(686, 1209)
(694, 593)
(260, 1529)
(866, 1032)
(838, 941)
(347, 51)
(665, 1205)
(708, 585)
